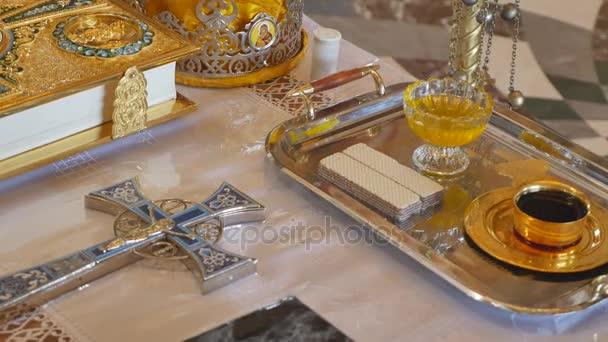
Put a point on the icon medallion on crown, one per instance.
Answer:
(242, 42)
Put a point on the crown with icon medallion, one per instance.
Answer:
(241, 42)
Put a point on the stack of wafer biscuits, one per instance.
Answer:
(381, 182)
(429, 191)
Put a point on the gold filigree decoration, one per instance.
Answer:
(103, 35)
(46, 9)
(128, 221)
(140, 234)
(130, 105)
(95, 31)
(8, 8)
(35, 325)
(161, 226)
(22, 35)
(130, 227)
(276, 92)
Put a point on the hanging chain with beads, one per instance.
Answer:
(484, 75)
(516, 98)
(483, 18)
(486, 17)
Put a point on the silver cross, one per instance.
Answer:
(170, 229)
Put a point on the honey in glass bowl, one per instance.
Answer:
(446, 114)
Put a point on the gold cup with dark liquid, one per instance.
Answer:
(550, 214)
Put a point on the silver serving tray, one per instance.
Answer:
(438, 240)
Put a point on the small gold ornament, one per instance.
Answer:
(102, 30)
(130, 105)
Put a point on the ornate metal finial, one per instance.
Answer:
(217, 18)
(130, 105)
(467, 37)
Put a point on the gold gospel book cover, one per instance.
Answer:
(60, 62)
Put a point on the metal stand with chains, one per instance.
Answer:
(467, 61)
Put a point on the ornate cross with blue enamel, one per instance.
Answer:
(171, 229)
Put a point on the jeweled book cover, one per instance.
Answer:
(60, 61)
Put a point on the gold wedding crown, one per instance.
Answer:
(241, 42)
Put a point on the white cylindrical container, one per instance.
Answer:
(325, 53)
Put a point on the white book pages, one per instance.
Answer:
(37, 126)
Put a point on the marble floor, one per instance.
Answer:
(562, 60)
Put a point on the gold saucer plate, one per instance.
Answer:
(489, 223)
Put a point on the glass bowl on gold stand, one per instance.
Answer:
(446, 113)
